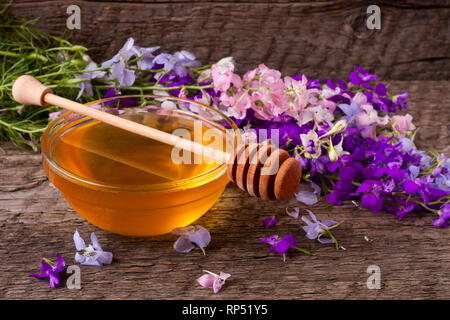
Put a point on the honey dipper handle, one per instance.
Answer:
(28, 90)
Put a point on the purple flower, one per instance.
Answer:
(350, 111)
(270, 222)
(118, 64)
(401, 207)
(280, 245)
(380, 89)
(86, 86)
(123, 102)
(410, 187)
(177, 62)
(371, 198)
(354, 78)
(307, 197)
(147, 57)
(315, 229)
(92, 255)
(362, 77)
(283, 244)
(213, 280)
(343, 190)
(427, 192)
(189, 236)
(51, 272)
(444, 217)
(400, 100)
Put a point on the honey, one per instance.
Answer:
(128, 184)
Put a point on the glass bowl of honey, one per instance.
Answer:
(132, 185)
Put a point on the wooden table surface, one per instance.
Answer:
(414, 258)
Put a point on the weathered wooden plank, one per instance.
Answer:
(414, 257)
(323, 38)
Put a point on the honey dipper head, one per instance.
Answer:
(27, 90)
(264, 171)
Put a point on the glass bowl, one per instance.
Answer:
(127, 184)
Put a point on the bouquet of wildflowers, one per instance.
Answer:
(345, 134)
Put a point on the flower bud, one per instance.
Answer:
(338, 127)
(332, 154)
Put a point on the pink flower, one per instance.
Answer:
(237, 81)
(227, 99)
(243, 101)
(237, 104)
(403, 124)
(359, 98)
(370, 132)
(222, 74)
(268, 76)
(328, 105)
(54, 115)
(250, 75)
(213, 280)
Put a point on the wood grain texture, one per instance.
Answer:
(320, 38)
(414, 258)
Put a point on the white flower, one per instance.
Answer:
(92, 255)
(311, 136)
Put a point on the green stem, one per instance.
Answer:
(415, 201)
(303, 251)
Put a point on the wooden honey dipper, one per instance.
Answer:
(260, 169)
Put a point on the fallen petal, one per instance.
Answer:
(95, 242)
(217, 285)
(307, 197)
(206, 280)
(61, 264)
(325, 240)
(270, 222)
(329, 223)
(224, 276)
(294, 214)
(183, 244)
(201, 237)
(105, 257)
(79, 242)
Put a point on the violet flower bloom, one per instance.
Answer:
(177, 62)
(147, 57)
(280, 245)
(372, 198)
(315, 229)
(51, 272)
(309, 197)
(119, 71)
(92, 255)
(361, 77)
(350, 111)
(124, 102)
(270, 222)
(189, 236)
(213, 280)
(283, 244)
(86, 86)
(444, 217)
